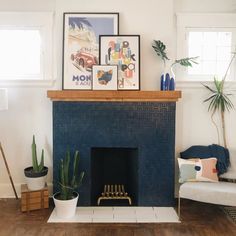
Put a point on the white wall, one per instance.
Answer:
(30, 112)
(193, 121)
(205, 6)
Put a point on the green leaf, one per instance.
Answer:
(188, 61)
(75, 169)
(218, 99)
(160, 48)
(66, 167)
(69, 183)
(80, 179)
(212, 106)
(41, 165)
(209, 98)
(228, 104)
(207, 87)
(34, 156)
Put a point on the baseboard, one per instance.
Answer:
(6, 190)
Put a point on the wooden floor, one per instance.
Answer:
(198, 219)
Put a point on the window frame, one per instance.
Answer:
(186, 21)
(44, 22)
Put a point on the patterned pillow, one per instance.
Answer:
(197, 169)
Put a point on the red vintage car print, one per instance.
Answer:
(84, 60)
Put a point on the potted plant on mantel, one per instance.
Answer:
(36, 174)
(167, 81)
(66, 199)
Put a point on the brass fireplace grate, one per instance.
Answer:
(114, 192)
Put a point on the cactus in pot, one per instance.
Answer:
(36, 174)
(69, 184)
(37, 167)
(66, 199)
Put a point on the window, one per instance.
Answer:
(211, 37)
(214, 51)
(26, 48)
(20, 54)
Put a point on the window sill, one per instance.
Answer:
(196, 84)
(27, 83)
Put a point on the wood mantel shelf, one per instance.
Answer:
(113, 96)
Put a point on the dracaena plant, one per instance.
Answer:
(219, 101)
(160, 49)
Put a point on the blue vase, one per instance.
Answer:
(167, 81)
(162, 82)
(172, 84)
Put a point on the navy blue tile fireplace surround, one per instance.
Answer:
(148, 128)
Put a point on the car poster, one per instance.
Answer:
(81, 46)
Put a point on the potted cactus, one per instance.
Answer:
(36, 174)
(66, 199)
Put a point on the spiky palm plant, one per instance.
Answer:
(219, 101)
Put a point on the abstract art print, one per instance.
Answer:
(104, 77)
(123, 51)
(81, 45)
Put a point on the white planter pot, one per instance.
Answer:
(36, 183)
(65, 208)
(35, 180)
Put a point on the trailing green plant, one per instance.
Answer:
(69, 183)
(160, 49)
(37, 167)
(219, 101)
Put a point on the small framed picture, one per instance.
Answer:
(123, 51)
(105, 77)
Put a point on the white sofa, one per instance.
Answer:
(221, 193)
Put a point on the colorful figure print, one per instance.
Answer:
(104, 76)
(122, 51)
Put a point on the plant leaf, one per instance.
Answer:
(207, 87)
(66, 167)
(210, 98)
(188, 61)
(160, 48)
(41, 165)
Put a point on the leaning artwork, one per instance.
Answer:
(81, 46)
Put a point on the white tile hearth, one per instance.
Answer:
(164, 213)
(120, 215)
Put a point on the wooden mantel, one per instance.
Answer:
(133, 96)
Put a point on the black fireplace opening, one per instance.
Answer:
(114, 176)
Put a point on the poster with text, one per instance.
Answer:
(81, 45)
(123, 51)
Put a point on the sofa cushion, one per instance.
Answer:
(197, 169)
(214, 150)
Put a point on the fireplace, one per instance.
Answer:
(117, 169)
(136, 137)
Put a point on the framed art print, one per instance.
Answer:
(123, 51)
(104, 77)
(81, 45)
